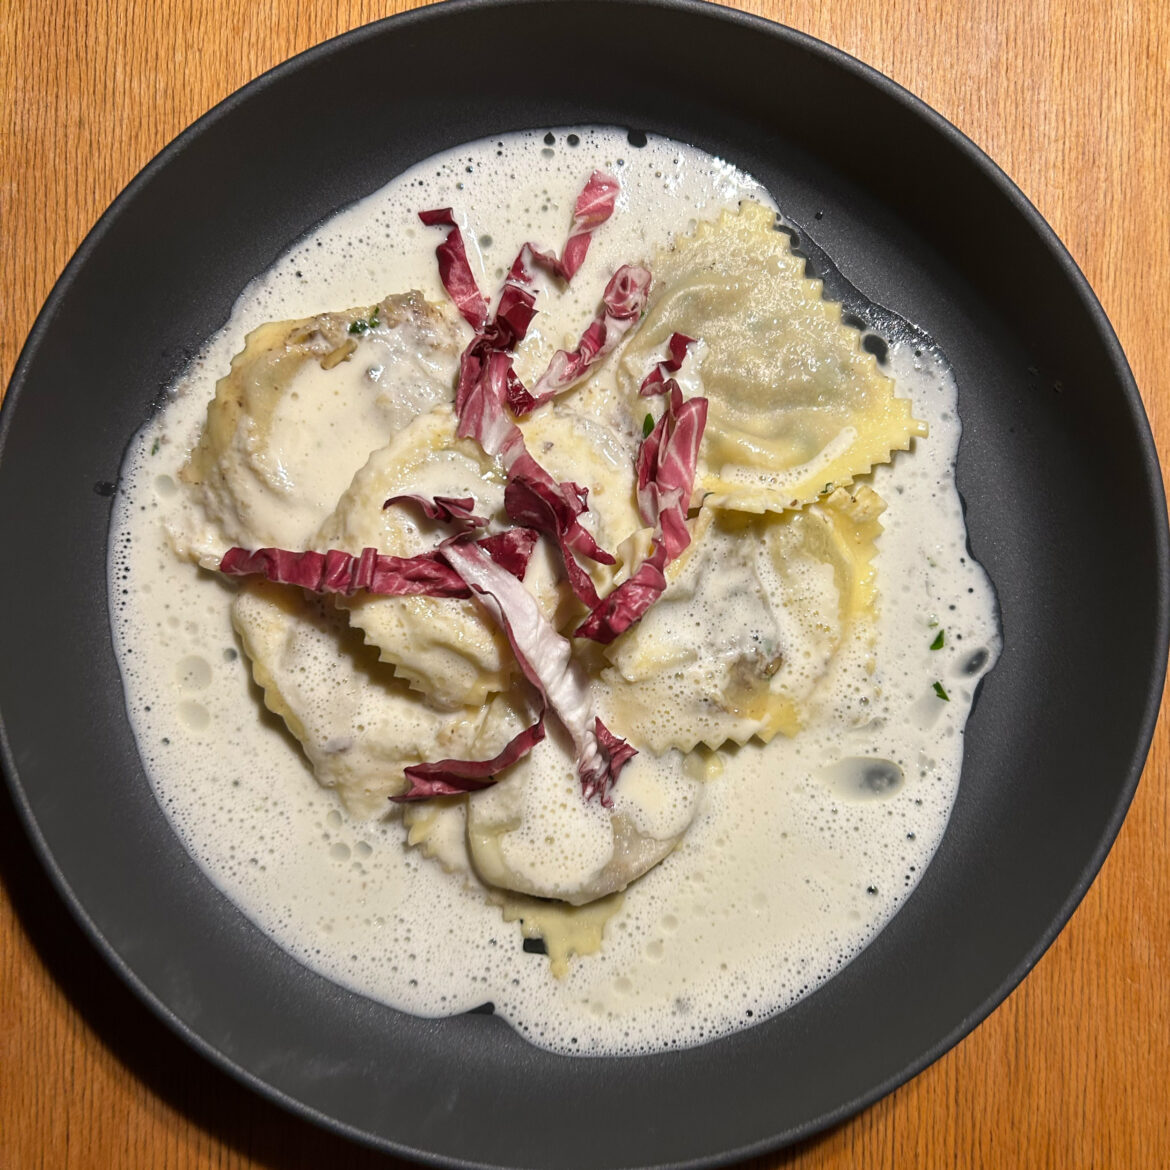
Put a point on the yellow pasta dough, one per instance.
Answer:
(438, 829)
(755, 612)
(265, 477)
(572, 444)
(444, 647)
(537, 808)
(795, 403)
(358, 725)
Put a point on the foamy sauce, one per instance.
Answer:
(802, 849)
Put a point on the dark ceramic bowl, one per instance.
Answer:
(1064, 506)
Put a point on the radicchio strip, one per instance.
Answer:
(450, 777)
(665, 469)
(532, 497)
(546, 660)
(656, 381)
(454, 269)
(487, 380)
(620, 752)
(594, 206)
(511, 549)
(622, 304)
(427, 575)
(484, 374)
(624, 605)
(564, 502)
(340, 572)
(516, 308)
(448, 509)
(513, 315)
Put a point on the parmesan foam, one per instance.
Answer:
(799, 852)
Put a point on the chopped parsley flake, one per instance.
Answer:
(155, 446)
(647, 425)
(361, 325)
(938, 690)
(937, 644)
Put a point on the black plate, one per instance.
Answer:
(1065, 509)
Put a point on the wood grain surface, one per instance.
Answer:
(1074, 102)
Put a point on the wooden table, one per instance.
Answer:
(1074, 102)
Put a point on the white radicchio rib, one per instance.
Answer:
(546, 660)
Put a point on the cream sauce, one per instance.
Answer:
(800, 850)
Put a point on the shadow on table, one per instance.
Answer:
(183, 1079)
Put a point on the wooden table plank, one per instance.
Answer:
(1072, 101)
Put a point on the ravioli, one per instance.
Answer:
(358, 725)
(795, 403)
(532, 834)
(439, 830)
(263, 476)
(756, 612)
(789, 868)
(576, 442)
(775, 591)
(444, 647)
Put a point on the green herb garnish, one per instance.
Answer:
(647, 425)
(362, 325)
(938, 690)
(937, 644)
(155, 446)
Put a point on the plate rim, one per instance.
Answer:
(1039, 227)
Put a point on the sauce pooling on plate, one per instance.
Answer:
(771, 865)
